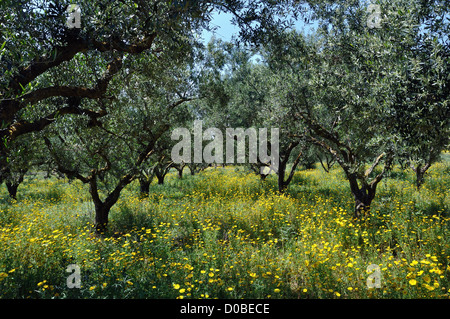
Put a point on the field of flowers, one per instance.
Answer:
(224, 233)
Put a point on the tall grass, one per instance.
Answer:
(224, 233)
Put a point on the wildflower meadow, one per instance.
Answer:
(225, 233)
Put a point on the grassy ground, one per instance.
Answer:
(225, 234)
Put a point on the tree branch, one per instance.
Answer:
(333, 152)
(23, 127)
(345, 150)
(81, 92)
(375, 163)
(10, 106)
(294, 166)
(387, 166)
(61, 168)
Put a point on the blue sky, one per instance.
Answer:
(225, 29)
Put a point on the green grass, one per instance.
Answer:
(224, 233)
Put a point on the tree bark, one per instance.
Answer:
(282, 185)
(161, 172)
(363, 195)
(282, 182)
(144, 185)
(180, 168)
(192, 169)
(420, 173)
(3, 164)
(101, 218)
(102, 208)
(419, 178)
(12, 189)
(160, 178)
(13, 181)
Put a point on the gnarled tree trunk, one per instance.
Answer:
(160, 178)
(161, 172)
(144, 186)
(284, 158)
(363, 195)
(101, 217)
(13, 180)
(102, 208)
(179, 168)
(420, 171)
(12, 189)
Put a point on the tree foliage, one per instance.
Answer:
(352, 86)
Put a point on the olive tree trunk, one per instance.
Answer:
(363, 195)
(420, 171)
(102, 208)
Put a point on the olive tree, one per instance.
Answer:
(347, 84)
(108, 154)
(242, 92)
